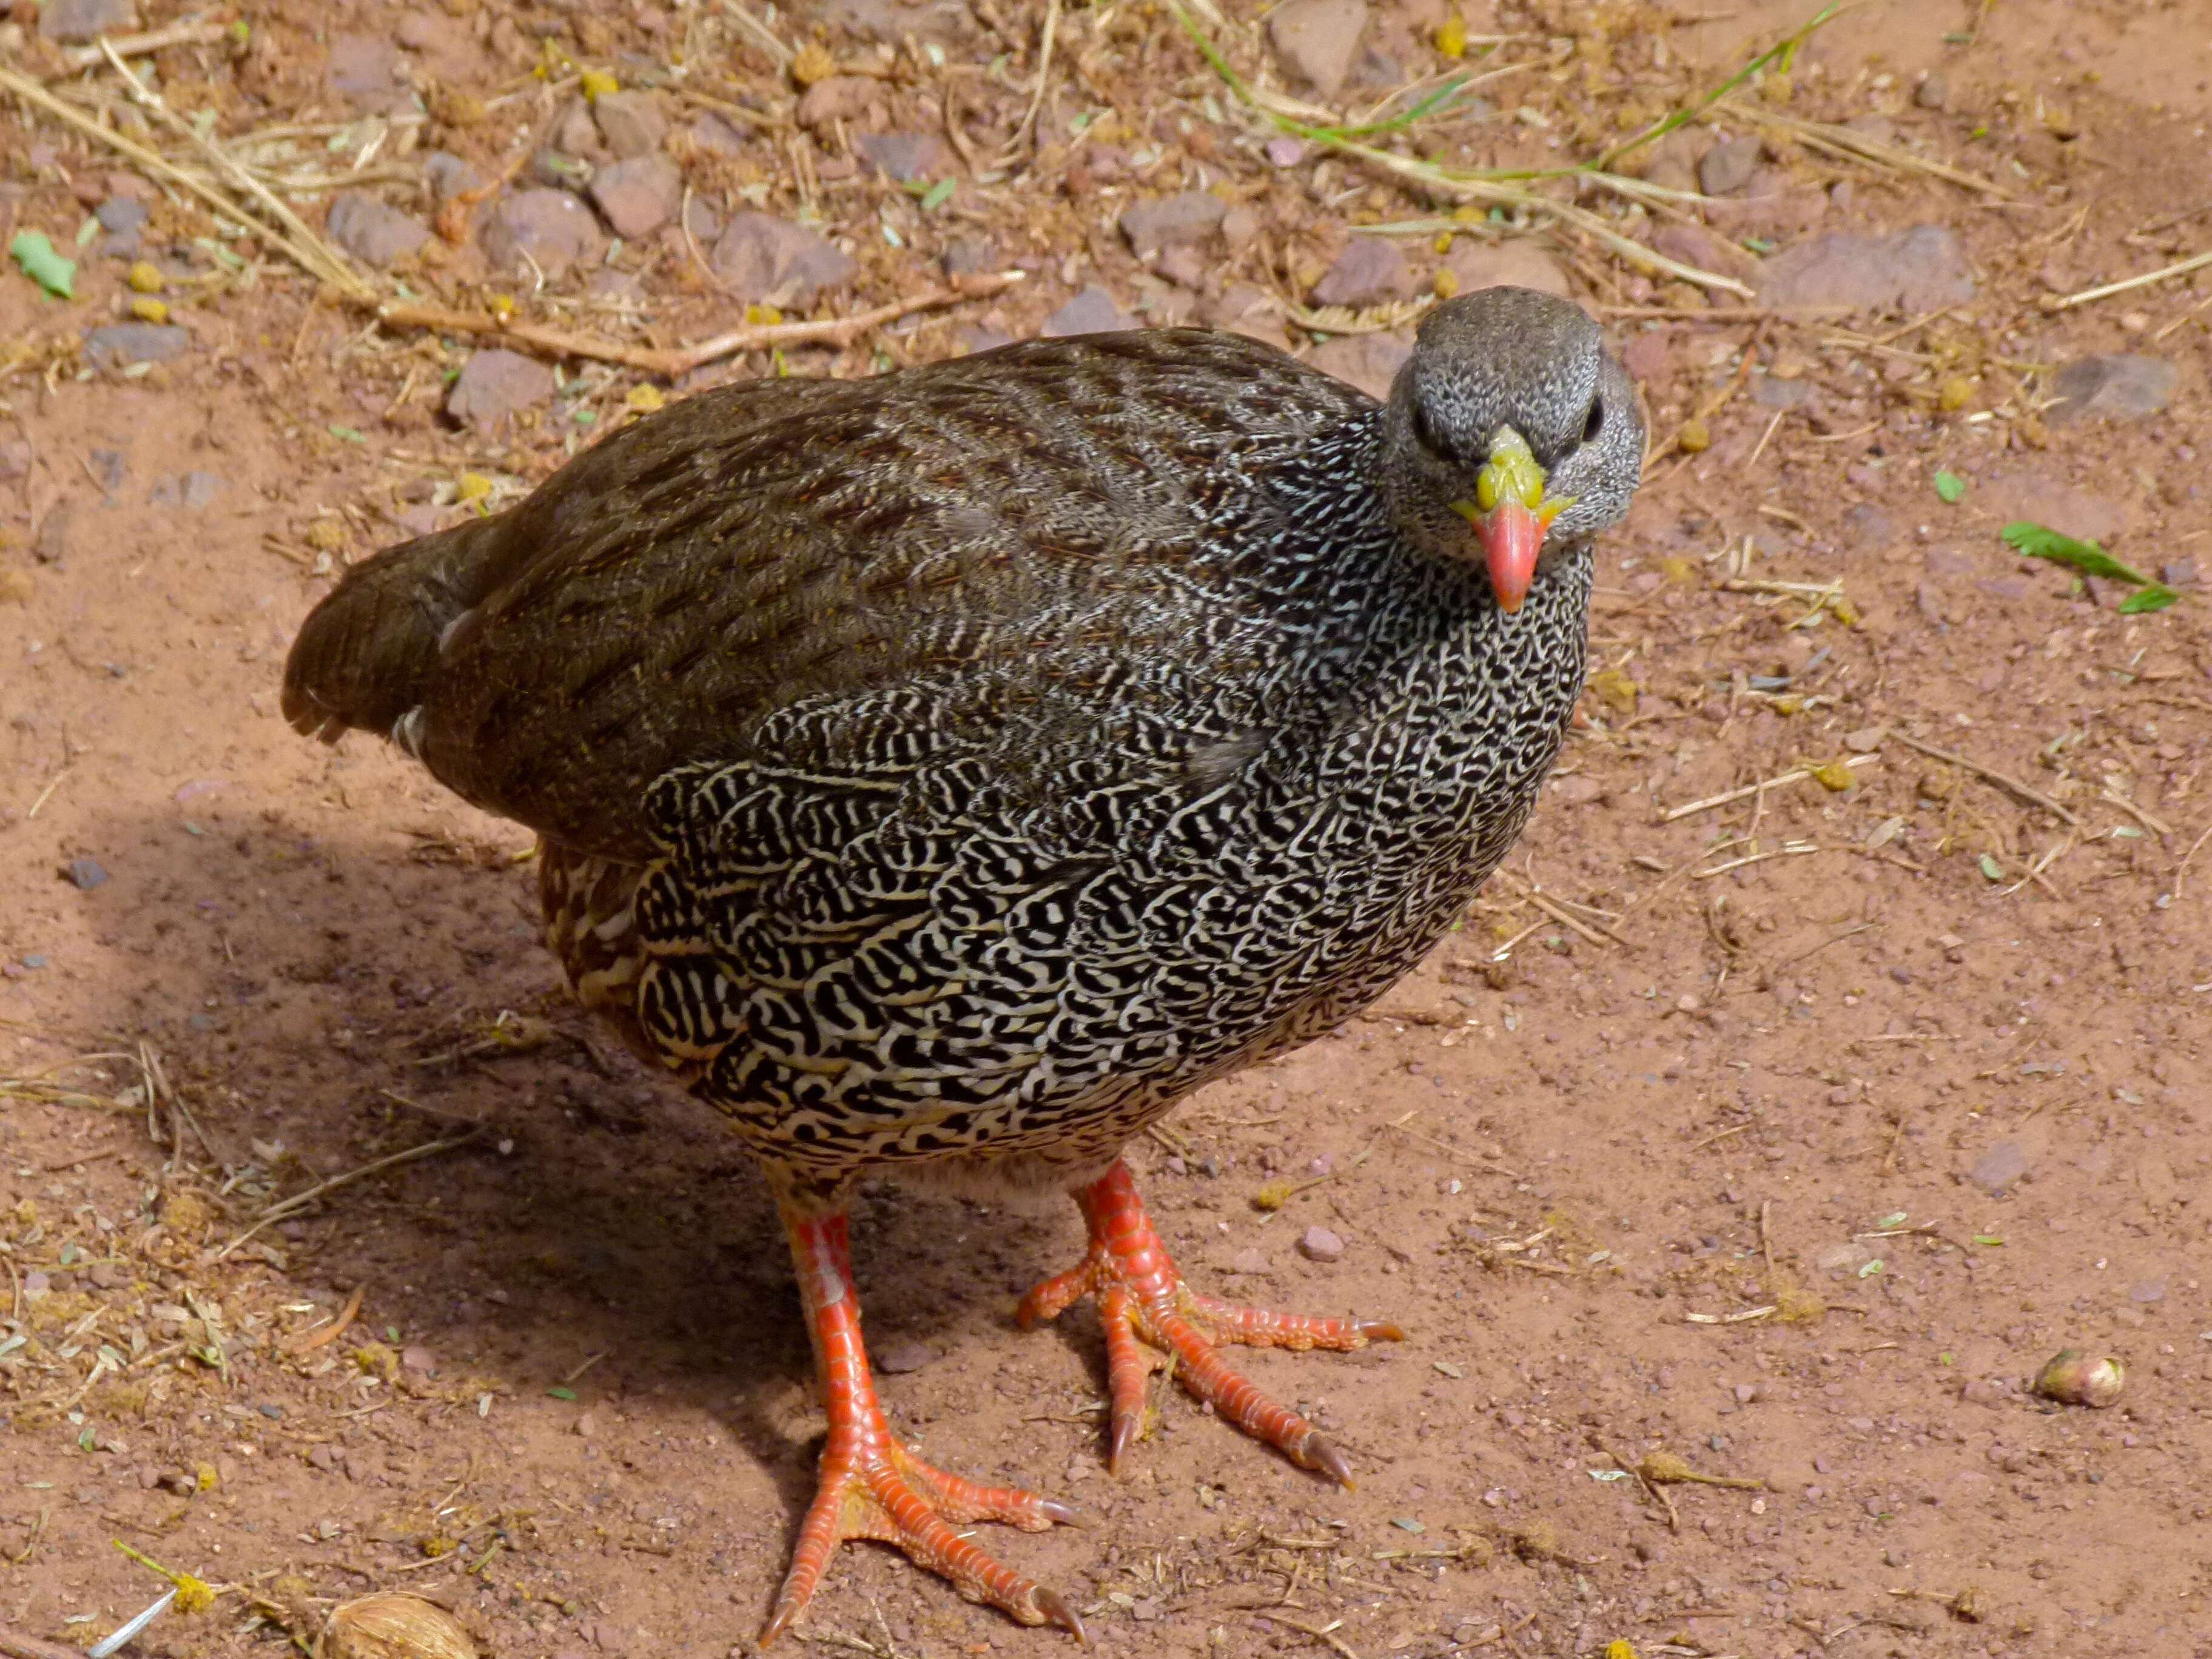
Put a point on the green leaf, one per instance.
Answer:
(561, 1393)
(2156, 597)
(2040, 543)
(351, 435)
(1991, 1240)
(35, 253)
(1949, 485)
(1991, 868)
(937, 196)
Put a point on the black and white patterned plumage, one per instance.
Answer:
(946, 773)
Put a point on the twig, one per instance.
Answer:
(1723, 1134)
(1043, 76)
(1744, 1318)
(299, 1201)
(321, 259)
(188, 31)
(1750, 789)
(323, 1335)
(2180, 268)
(1319, 1632)
(1596, 931)
(15, 1645)
(148, 161)
(681, 360)
(2181, 870)
(1990, 775)
(2156, 826)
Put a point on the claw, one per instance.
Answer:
(1321, 1456)
(1054, 1607)
(1149, 1315)
(1060, 1514)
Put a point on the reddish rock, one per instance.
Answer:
(1516, 262)
(637, 197)
(1318, 40)
(550, 226)
(495, 384)
(1091, 312)
(1370, 271)
(770, 260)
(632, 124)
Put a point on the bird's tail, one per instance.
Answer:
(369, 652)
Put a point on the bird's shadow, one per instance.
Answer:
(321, 1001)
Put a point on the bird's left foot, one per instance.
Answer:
(1151, 1316)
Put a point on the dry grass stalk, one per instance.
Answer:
(1832, 139)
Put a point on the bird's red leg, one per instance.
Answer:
(872, 1486)
(1143, 1303)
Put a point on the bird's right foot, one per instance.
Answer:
(1152, 1317)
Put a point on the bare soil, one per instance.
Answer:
(1787, 1138)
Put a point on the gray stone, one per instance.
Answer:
(840, 98)
(1998, 1168)
(1871, 529)
(1319, 1244)
(85, 20)
(1318, 40)
(1728, 166)
(1921, 269)
(1694, 245)
(901, 155)
(121, 214)
(1091, 312)
(639, 195)
(549, 228)
(85, 874)
(195, 490)
(119, 343)
(719, 135)
(1184, 266)
(632, 122)
(1366, 360)
(374, 233)
(970, 256)
(1934, 91)
(899, 1358)
(774, 262)
(449, 175)
(1187, 220)
(495, 384)
(1370, 271)
(2120, 386)
(1244, 309)
(364, 69)
(1515, 263)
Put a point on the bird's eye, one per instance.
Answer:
(1594, 421)
(1424, 433)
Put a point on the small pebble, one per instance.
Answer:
(1319, 1244)
(86, 873)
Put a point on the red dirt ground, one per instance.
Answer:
(1922, 1072)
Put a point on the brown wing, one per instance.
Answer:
(655, 600)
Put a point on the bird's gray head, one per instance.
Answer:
(1511, 418)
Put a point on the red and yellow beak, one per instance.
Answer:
(1511, 514)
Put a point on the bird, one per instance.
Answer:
(943, 773)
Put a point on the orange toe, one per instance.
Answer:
(1149, 1315)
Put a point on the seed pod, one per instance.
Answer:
(2073, 1378)
(390, 1624)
